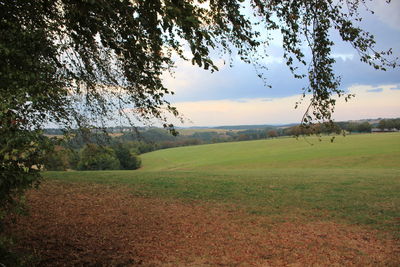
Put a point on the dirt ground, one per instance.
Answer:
(95, 225)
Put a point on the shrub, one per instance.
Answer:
(128, 160)
(57, 160)
(95, 157)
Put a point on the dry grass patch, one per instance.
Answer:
(81, 224)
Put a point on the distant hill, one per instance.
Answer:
(345, 152)
(253, 127)
(122, 129)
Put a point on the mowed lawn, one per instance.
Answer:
(354, 180)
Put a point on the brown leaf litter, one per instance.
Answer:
(97, 225)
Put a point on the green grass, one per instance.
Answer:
(380, 151)
(355, 180)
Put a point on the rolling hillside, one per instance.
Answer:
(355, 179)
(351, 151)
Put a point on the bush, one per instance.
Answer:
(94, 157)
(57, 160)
(73, 159)
(272, 133)
(128, 160)
(134, 163)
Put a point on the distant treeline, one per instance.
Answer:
(389, 124)
(92, 156)
(96, 150)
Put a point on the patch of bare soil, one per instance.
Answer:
(88, 225)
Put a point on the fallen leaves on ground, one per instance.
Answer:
(82, 224)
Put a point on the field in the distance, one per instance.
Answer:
(329, 203)
(352, 151)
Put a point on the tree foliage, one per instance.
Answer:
(21, 153)
(128, 160)
(58, 159)
(272, 133)
(389, 124)
(81, 62)
(95, 157)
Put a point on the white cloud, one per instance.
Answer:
(273, 59)
(370, 104)
(387, 13)
(184, 79)
(244, 111)
(344, 57)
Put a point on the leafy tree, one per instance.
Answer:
(57, 160)
(352, 127)
(272, 133)
(21, 153)
(205, 136)
(73, 158)
(364, 127)
(395, 123)
(389, 124)
(77, 63)
(326, 128)
(128, 160)
(382, 124)
(95, 157)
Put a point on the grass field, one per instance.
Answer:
(355, 179)
(275, 202)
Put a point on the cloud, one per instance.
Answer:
(249, 111)
(354, 72)
(266, 99)
(366, 105)
(273, 60)
(362, 89)
(396, 88)
(387, 13)
(343, 57)
(281, 110)
(240, 100)
(194, 84)
(241, 82)
(377, 90)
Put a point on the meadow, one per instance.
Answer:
(273, 202)
(356, 178)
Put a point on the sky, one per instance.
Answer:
(236, 96)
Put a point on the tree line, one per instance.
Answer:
(99, 151)
(389, 124)
(92, 156)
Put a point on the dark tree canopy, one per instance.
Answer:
(76, 62)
